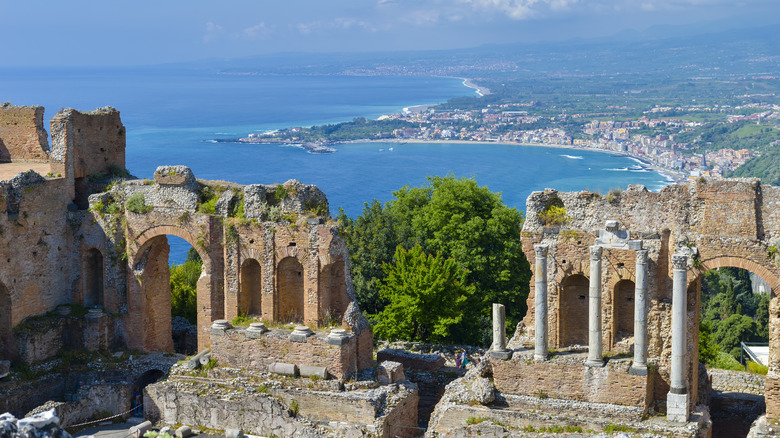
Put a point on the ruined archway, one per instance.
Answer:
(149, 291)
(289, 290)
(333, 291)
(573, 313)
(93, 272)
(6, 334)
(250, 288)
(623, 300)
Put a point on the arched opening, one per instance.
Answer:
(289, 286)
(333, 292)
(167, 277)
(573, 314)
(733, 344)
(93, 278)
(250, 288)
(6, 335)
(623, 300)
(144, 380)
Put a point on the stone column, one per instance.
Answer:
(677, 398)
(639, 367)
(594, 309)
(498, 350)
(540, 301)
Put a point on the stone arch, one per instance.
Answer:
(573, 311)
(289, 290)
(623, 309)
(738, 262)
(333, 290)
(250, 288)
(772, 388)
(149, 294)
(93, 274)
(6, 325)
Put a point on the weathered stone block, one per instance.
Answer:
(234, 433)
(338, 337)
(175, 176)
(677, 407)
(183, 432)
(140, 429)
(390, 372)
(301, 334)
(219, 326)
(424, 362)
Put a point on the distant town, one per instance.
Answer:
(660, 141)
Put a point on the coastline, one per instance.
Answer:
(480, 90)
(671, 176)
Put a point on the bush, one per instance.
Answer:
(554, 216)
(726, 361)
(757, 368)
(137, 204)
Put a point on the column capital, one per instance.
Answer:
(641, 256)
(680, 261)
(595, 252)
(541, 250)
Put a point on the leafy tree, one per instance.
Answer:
(708, 348)
(184, 281)
(452, 218)
(427, 296)
(733, 330)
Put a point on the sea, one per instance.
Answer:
(173, 115)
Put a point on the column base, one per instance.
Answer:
(503, 355)
(676, 407)
(541, 357)
(594, 363)
(638, 370)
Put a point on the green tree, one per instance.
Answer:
(733, 330)
(427, 296)
(708, 348)
(453, 218)
(184, 281)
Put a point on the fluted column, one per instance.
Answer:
(677, 398)
(595, 358)
(540, 291)
(639, 367)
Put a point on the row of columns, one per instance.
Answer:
(595, 348)
(677, 398)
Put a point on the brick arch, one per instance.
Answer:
(573, 305)
(149, 307)
(250, 287)
(149, 234)
(738, 262)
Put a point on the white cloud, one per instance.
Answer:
(259, 30)
(213, 31)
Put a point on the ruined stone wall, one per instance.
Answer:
(22, 137)
(87, 143)
(235, 349)
(737, 381)
(566, 377)
(715, 222)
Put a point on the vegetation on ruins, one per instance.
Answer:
(426, 294)
(554, 216)
(137, 204)
(730, 313)
(184, 282)
(451, 218)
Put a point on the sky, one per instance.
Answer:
(142, 32)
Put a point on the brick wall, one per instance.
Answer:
(22, 137)
(566, 377)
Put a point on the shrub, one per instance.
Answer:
(757, 368)
(554, 216)
(137, 204)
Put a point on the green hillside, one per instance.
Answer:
(766, 167)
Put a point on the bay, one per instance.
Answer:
(172, 114)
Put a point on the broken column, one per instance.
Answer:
(540, 291)
(677, 398)
(595, 358)
(498, 349)
(639, 366)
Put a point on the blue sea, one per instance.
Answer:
(173, 115)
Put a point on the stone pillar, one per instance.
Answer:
(540, 291)
(639, 367)
(498, 350)
(677, 398)
(594, 309)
